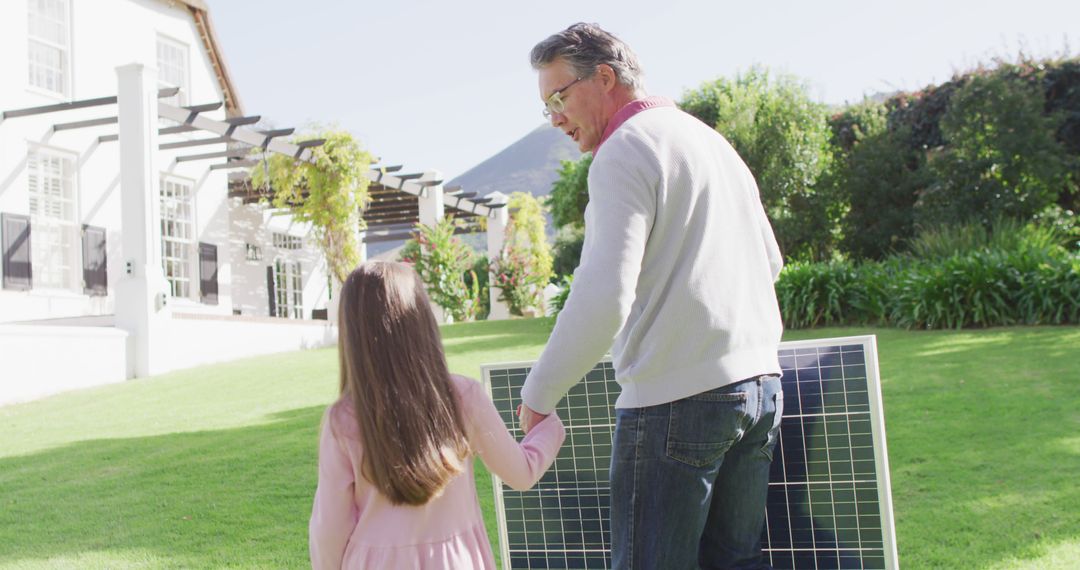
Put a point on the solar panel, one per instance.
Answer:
(829, 503)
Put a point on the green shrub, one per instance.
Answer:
(974, 289)
(814, 294)
(559, 300)
(1065, 223)
(783, 136)
(1051, 292)
(524, 266)
(1004, 235)
(566, 253)
(570, 193)
(1001, 157)
(446, 266)
(877, 176)
(871, 293)
(520, 287)
(478, 278)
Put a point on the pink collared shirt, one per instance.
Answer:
(629, 110)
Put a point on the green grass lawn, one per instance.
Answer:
(215, 467)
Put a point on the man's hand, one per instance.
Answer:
(528, 418)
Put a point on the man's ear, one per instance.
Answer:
(607, 77)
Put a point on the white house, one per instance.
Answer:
(60, 171)
(131, 243)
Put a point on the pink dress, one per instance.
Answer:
(354, 526)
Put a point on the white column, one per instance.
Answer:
(334, 303)
(142, 293)
(432, 210)
(432, 207)
(335, 287)
(361, 245)
(496, 235)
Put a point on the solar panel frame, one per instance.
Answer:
(790, 351)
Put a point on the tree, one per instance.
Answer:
(570, 193)
(566, 252)
(328, 193)
(876, 175)
(567, 201)
(784, 138)
(1001, 157)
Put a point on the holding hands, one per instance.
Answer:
(528, 417)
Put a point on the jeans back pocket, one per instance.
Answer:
(703, 427)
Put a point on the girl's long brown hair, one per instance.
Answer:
(394, 372)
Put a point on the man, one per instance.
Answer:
(677, 268)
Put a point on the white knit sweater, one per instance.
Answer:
(677, 268)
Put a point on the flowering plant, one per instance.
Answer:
(519, 286)
(446, 266)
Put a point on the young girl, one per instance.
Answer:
(395, 471)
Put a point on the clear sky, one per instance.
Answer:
(445, 85)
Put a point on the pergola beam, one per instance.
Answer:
(407, 183)
(400, 210)
(196, 142)
(231, 153)
(70, 105)
(242, 163)
(379, 236)
(389, 227)
(385, 217)
(176, 129)
(400, 219)
(84, 124)
(235, 132)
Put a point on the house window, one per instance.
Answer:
(172, 61)
(49, 52)
(177, 234)
(254, 252)
(53, 215)
(288, 289)
(286, 241)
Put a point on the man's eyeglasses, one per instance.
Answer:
(555, 103)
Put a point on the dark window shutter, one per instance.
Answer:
(17, 268)
(94, 265)
(208, 281)
(270, 289)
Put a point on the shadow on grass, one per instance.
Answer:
(236, 497)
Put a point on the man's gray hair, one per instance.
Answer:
(585, 47)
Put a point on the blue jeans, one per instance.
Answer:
(689, 478)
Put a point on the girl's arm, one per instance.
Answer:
(519, 465)
(334, 513)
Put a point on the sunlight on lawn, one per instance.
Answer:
(961, 342)
(1070, 444)
(113, 559)
(1061, 556)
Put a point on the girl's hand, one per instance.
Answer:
(528, 418)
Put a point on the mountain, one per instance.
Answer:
(529, 165)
